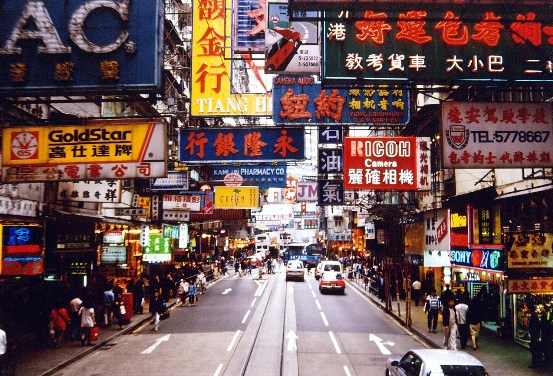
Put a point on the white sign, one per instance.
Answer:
(436, 230)
(120, 212)
(183, 236)
(307, 191)
(14, 206)
(182, 202)
(90, 191)
(497, 135)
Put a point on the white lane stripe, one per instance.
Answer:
(218, 370)
(324, 318)
(334, 342)
(346, 370)
(313, 293)
(246, 316)
(310, 287)
(233, 340)
(318, 304)
(253, 303)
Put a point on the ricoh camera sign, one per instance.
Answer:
(77, 45)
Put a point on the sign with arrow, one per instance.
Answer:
(291, 337)
(379, 342)
(158, 341)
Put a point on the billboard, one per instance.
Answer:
(531, 251)
(301, 99)
(249, 25)
(223, 83)
(90, 191)
(80, 46)
(236, 197)
(291, 47)
(439, 44)
(381, 163)
(241, 145)
(158, 250)
(497, 135)
(273, 176)
(98, 150)
(21, 250)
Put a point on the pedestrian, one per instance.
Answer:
(432, 307)
(461, 310)
(202, 281)
(237, 268)
(416, 291)
(539, 336)
(182, 292)
(138, 296)
(119, 309)
(59, 322)
(450, 327)
(88, 320)
(157, 307)
(74, 307)
(109, 298)
(191, 293)
(475, 315)
(3, 349)
(446, 296)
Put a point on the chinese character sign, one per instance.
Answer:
(440, 43)
(330, 161)
(247, 145)
(497, 135)
(21, 251)
(216, 88)
(81, 45)
(262, 176)
(90, 191)
(330, 192)
(299, 100)
(380, 163)
(531, 251)
(158, 249)
(332, 134)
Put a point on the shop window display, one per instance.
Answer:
(524, 304)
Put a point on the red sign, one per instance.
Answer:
(380, 163)
(233, 179)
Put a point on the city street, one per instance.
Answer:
(248, 326)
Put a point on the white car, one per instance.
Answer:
(433, 362)
(295, 270)
(327, 266)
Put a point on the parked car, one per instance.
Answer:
(295, 270)
(435, 362)
(332, 281)
(325, 266)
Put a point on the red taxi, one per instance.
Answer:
(332, 281)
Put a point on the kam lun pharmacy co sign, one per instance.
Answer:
(78, 45)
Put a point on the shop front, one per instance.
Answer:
(436, 272)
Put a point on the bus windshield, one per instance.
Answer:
(308, 253)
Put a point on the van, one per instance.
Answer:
(325, 266)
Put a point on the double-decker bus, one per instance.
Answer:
(309, 253)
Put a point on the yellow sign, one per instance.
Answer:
(214, 88)
(236, 197)
(98, 143)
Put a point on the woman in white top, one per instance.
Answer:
(88, 320)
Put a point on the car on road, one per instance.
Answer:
(256, 259)
(435, 362)
(295, 270)
(325, 266)
(332, 281)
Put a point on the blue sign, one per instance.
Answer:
(262, 176)
(241, 145)
(332, 134)
(331, 161)
(301, 100)
(76, 45)
(331, 192)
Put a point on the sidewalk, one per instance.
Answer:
(500, 356)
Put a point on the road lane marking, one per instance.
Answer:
(334, 342)
(218, 370)
(260, 288)
(324, 318)
(253, 303)
(381, 344)
(227, 291)
(292, 337)
(318, 304)
(346, 370)
(158, 341)
(313, 293)
(234, 338)
(246, 316)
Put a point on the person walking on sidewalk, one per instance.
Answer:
(447, 295)
(157, 307)
(432, 308)
(192, 294)
(450, 326)
(539, 336)
(416, 291)
(3, 349)
(74, 307)
(461, 310)
(59, 321)
(88, 320)
(475, 315)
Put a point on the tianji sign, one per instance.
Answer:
(77, 45)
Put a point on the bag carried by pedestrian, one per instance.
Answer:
(94, 333)
(122, 309)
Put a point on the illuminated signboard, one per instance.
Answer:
(248, 26)
(247, 145)
(481, 258)
(236, 197)
(21, 252)
(113, 254)
(302, 100)
(101, 150)
(223, 83)
(380, 163)
(78, 45)
(497, 135)
(158, 250)
(439, 43)
(262, 176)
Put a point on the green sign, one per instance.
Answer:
(439, 43)
(159, 249)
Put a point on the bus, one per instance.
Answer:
(308, 253)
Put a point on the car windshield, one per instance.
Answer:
(335, 268)
(295, 265)
(461, 370)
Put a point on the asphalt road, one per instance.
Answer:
(246, 326)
